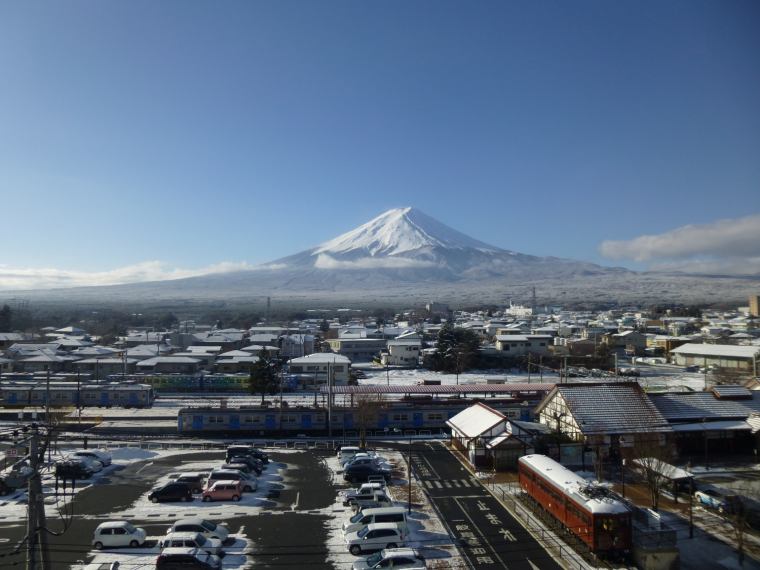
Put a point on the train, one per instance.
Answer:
(78, 394)
(409, 416)
(588, 511)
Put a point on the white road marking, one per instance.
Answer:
(465, 483)
(294, 506)
(477, 528)
(143, 467)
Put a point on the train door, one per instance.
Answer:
(306, 421)
(382, 421)
(133, 401)
(348, 420)
(12, 398)
(234, 421)
(270, 421)
(197, 423)
(418, 420)
(104, 401)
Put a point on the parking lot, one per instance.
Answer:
(292, 520)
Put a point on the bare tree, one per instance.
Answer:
(650, 454)
(367, 408)
(738, 511)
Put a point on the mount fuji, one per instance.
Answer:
(408, 245)
(405, 256)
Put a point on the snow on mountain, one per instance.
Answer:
(397, 232)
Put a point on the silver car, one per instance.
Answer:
(375, 536)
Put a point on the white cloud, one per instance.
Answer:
(325, 261)
(48, 278)
(729, 246)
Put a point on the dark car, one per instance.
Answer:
(248, 450)
(72, 469)
(252, 463)
(361, 472)
(187, 558)
(171, 492)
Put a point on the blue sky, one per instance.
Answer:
(192, 133)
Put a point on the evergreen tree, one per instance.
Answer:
(264, 374)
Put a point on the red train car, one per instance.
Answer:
(586, 510)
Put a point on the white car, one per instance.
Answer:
(206, 528)
(191, 540)
(406, 558)
(375, 536)
(117, 533)
(96, 455)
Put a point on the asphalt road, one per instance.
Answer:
(488, 535)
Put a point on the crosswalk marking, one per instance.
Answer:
(447, 484)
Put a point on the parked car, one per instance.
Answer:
(375, 537)
(187, 558)
(248, 481)
(73, 469)
(377, 479)
(95, 454)
(223, 490)
(117, 533)
(242, 467)
(94, 465)
(191, 540)
(360, 473)
(376, 464)
(364, 488)
(207, 528)
(248, 450)
(376, 499)
(193, 480)
(406, 558)
(171, 492)
(366, 491)
(377, 515)
(255, 464)
(714, 499)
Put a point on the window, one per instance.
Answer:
(435, 417)
(400, 417)
(251, 419)
(216, 419)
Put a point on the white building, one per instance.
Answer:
(402, 353)
(523, 344)
(320, 366)
(720, 355)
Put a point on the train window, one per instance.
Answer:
(251, 419)
(216, 419)
(319, 418)
(289, 419)
(435, 417)
(400, 417)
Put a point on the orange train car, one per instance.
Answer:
(586, 510)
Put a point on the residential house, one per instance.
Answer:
(320, 366)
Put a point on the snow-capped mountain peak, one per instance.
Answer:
(400, 231)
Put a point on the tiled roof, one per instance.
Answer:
(612, 408)
(689, 406)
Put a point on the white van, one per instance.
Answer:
(347, 452)
(376, 515)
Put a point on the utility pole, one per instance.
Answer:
(37, 556)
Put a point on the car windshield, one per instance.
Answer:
(130, 528)
(374, 559)
(200, 540)
(208, 525)
(357, 517)
(363, 532)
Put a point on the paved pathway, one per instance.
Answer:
(489, 536)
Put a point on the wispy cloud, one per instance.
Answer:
(48, 278)
(325, 261)
(730, 246)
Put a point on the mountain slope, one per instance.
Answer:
(403, 256)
